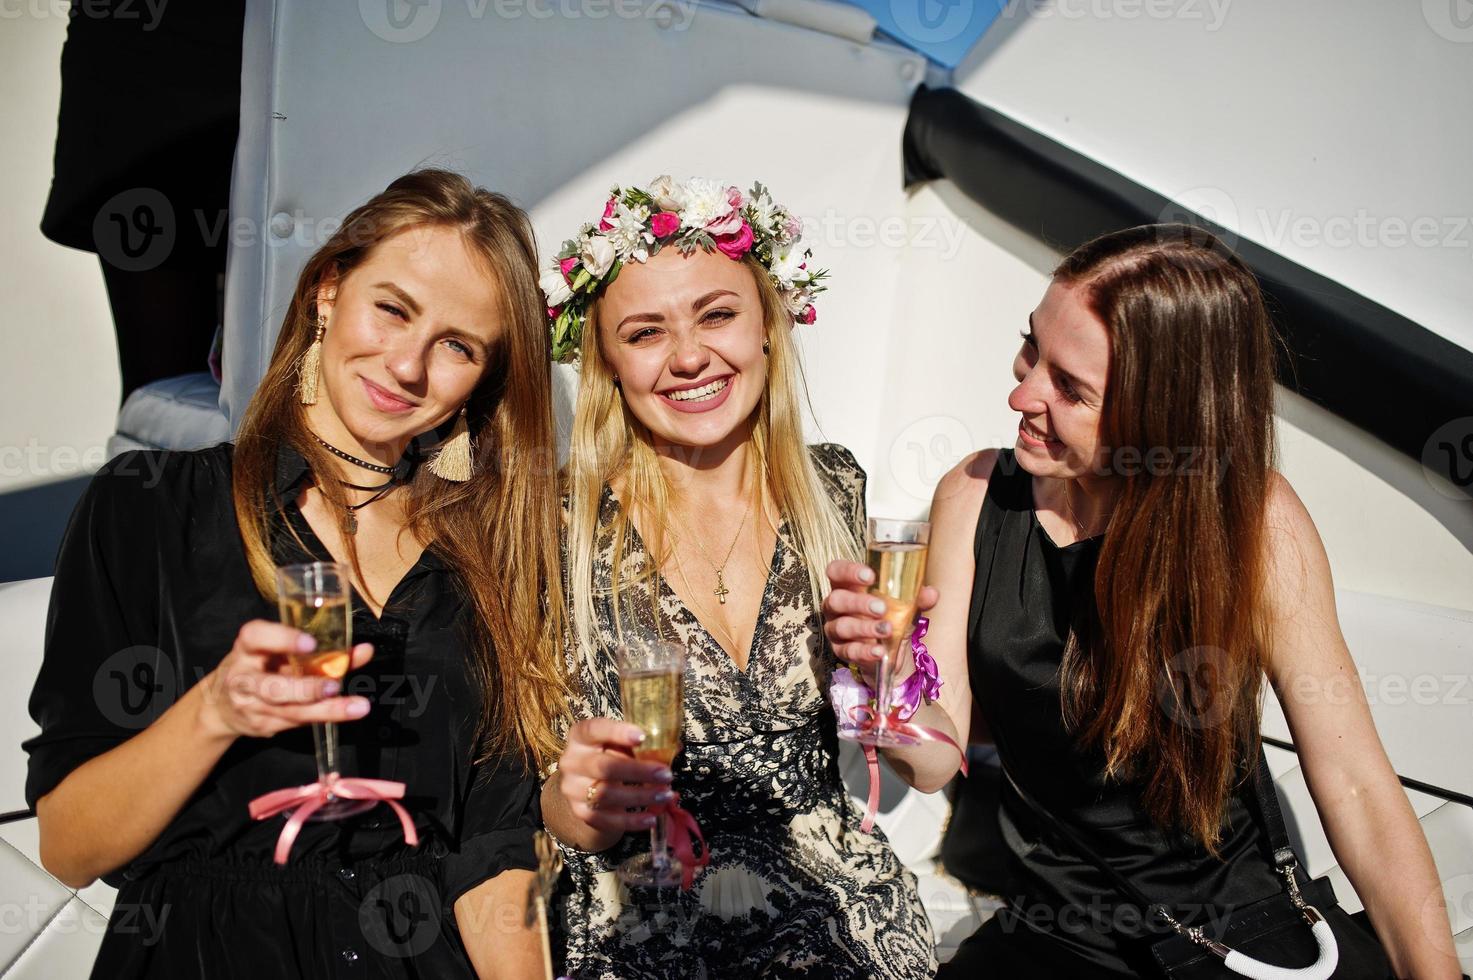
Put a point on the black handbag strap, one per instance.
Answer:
(1063, 830)
(1262, 792)
(1267, 798)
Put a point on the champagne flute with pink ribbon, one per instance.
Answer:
(881, 716)
(652, 691)
(316, 598)
(897, 556)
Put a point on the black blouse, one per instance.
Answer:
(151, 588)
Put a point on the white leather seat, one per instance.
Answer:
(173, 413)
(49, 930)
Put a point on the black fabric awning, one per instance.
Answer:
(1375, 368)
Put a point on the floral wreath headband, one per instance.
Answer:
(698, 213)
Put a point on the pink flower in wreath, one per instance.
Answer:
(604, 224)
(737, 244)
(731, 222)
(568, 265)
(665, 223)
(809, 315)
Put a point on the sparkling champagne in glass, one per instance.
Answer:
(652, 688)
(897, 556)
(315, 598)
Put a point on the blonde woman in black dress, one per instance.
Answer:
(696, 513)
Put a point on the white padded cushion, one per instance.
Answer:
(175, 413)
(23, 624)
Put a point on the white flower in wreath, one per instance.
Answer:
(709, 205)
(785, 265)
(765, 214)
(667, 195)
(630, 235)
(597, 255)
(555, 287)
(797, 300)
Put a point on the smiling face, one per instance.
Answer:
(1061, 371)
(410, 332)
(684, 334)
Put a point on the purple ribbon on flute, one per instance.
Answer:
(854, 704)
(306, 800)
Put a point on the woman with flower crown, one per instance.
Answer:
(695, 513)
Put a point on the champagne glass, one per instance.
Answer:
(897, 556)
(315, 598)
(652, 688)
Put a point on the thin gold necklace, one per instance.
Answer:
(721, 591)
(1069, 507)
(697, 610)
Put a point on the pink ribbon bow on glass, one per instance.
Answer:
(305, 800)
(854, 702)
(682, 833)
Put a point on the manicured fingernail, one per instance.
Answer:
(883, 629)
(647, 821)
(305, 643)
(866, 575)
(664, 775)
(357, 708)
(664, 796)
(636, 735)
(877, 652)
(877, 606)
(330, 688)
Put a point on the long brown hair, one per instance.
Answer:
(1166, 680)
(499, 530)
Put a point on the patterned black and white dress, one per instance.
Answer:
(794, 888)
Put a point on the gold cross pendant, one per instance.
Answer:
(721, 591)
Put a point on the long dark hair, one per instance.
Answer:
(1166, 679)
(499, 530)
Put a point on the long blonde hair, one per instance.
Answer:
(608, 442)
(499, 530)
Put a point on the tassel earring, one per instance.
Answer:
(311, 367)
(452, 461)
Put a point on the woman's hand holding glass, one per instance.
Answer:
(854, 620)
(246, 694)
(605, 786)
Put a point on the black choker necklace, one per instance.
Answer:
(386, 470)
(381, 490)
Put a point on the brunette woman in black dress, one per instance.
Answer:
(160, 714)
(1117, 585)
